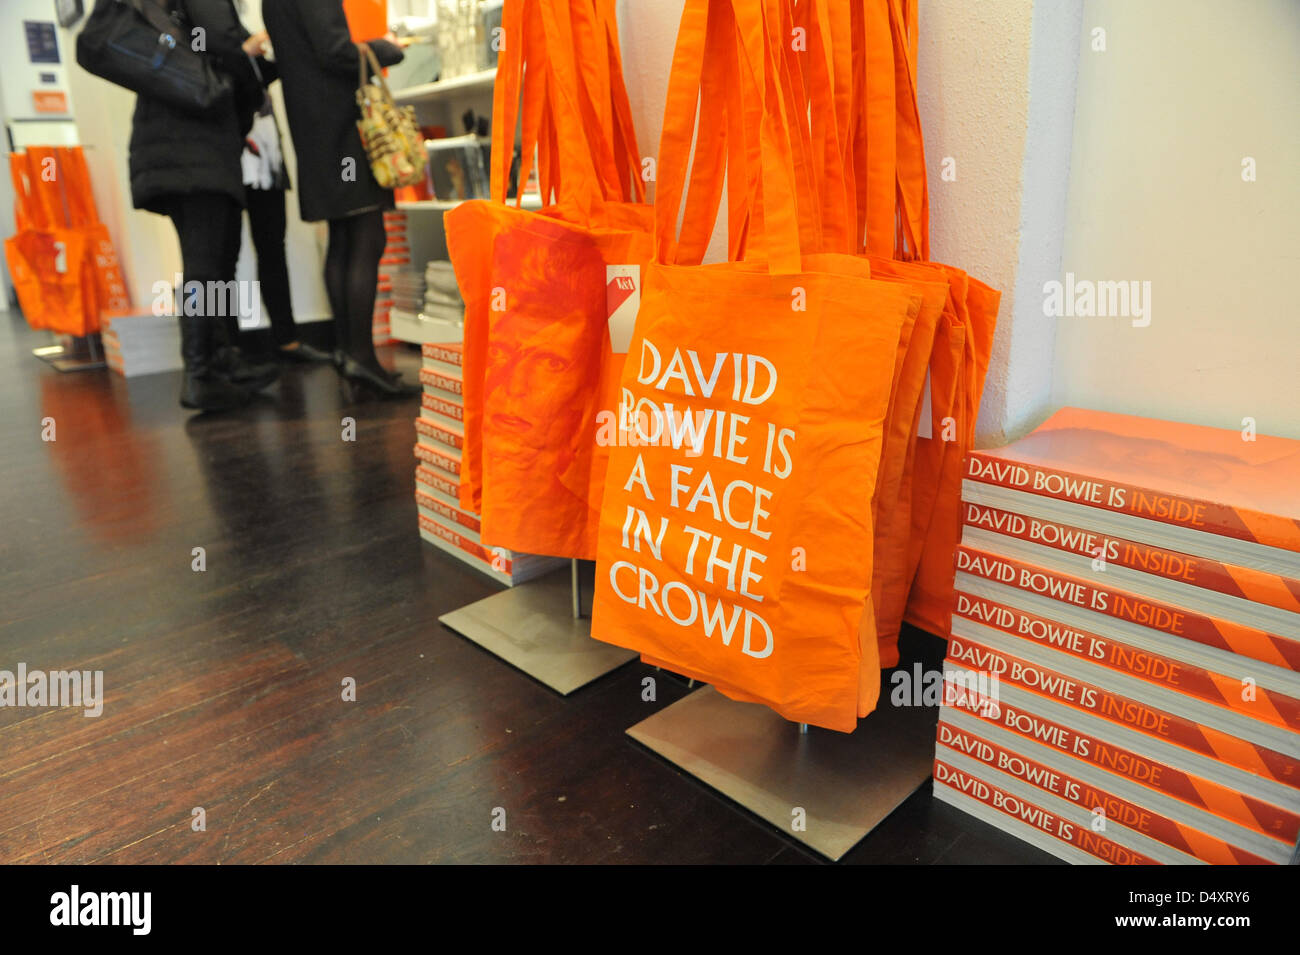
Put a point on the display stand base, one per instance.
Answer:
(71, 359)
(532, 626)
(846, 784)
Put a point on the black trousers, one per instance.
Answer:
(208, 226)
(266, 222)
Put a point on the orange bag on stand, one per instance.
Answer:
(932, 595)
(938, 458)
(817, 75)
(105, 272)
(539, 367)
(49, 261)
(804, 391)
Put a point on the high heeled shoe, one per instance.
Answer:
(381, 384)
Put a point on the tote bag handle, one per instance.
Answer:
(776, 239)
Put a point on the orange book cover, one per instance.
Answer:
(446, 511)
(453, 353)
(1247, 583)
(1210, 479)
(439, 482)
(1123, 605)
(1083, 794)
(1193, 736)
(1264, 817)
(443, 407)
(431, 429)
(1265, 705)
(443, 382)
(1053, 825)
(503, 564)
(437, 458)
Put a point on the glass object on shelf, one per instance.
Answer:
(459, 28)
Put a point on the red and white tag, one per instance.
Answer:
(622, 302)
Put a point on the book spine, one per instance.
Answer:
(432, 456)
(1167, 618)
(438, 405)
(1247, 583)
(446, 510)
(1194, 513)
(1105, 806)
(1263, 817)
(430, 429)
(437, 481)
(1211, 743)
(1053, 825)
(443, 382)
(1267, 706)
(498, 561)
(451, 354)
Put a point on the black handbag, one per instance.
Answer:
(136, 45)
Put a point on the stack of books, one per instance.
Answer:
(440, 438)
(1121, 681)
(137, 342)
(397, 255)
(408, 289)
(442, 300)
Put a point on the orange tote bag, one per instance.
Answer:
(539, 286)
(730, 549)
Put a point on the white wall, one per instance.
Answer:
(1184, 90)
(995, 88)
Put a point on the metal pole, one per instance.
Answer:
(576, 588)
(803, 729)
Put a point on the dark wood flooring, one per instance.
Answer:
(223, 688)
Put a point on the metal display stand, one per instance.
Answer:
(845, 784)
(64, 358)
(540, 627)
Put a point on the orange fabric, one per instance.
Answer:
(794, 351)
(931, 599)
(892, 505)
(538, 362)
(61, 259)
(367, 19)
(868, 156)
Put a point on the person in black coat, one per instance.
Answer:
(187, 166)
(319, 67)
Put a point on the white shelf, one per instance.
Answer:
(418, 329)
(427, 92)
(531, 201)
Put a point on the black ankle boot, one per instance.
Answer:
(234, 364)
(203, 388)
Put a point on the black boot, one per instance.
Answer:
(202, 387)
(231, 362)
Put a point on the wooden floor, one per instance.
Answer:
(223, 687)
